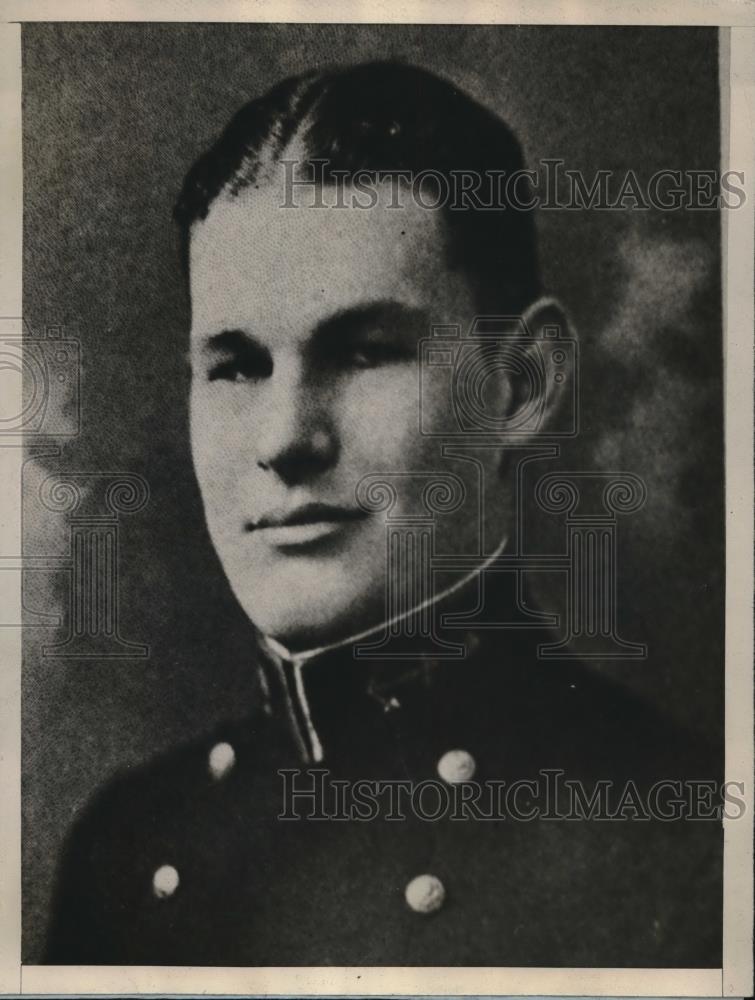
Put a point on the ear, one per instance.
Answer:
(551, 392)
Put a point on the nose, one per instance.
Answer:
(297, 439)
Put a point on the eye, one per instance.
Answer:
(244, 367)
(372, 354)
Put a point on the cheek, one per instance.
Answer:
(379, 420)
(381, 437)
(211, 449)
(201, 432)
(413, 421)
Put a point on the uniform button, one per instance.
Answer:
(425, 894)
(165, 881)
(456, 766)
(221, 760)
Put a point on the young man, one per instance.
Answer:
(319, 258)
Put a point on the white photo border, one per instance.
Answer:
(737, 75)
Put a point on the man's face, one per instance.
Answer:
(304, 343)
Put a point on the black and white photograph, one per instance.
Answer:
(373, 496)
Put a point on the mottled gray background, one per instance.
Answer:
(113, 115)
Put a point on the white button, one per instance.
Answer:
(456, 766)
(222, 758)
(425, 894)
(165, 881)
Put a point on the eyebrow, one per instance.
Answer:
(355, 317)
(340, 324)
(229, 340)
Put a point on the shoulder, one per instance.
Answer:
(181, 780)
(143, 825)
(565, 713)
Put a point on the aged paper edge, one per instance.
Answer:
(737, 147)
(671, 12)
(738, 85)
(377, 982)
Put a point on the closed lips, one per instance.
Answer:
(313, 513)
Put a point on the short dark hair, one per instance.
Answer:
(382, 117)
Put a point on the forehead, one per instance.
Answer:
(254, 257)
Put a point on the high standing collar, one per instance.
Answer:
(308, 683)
(279, 651)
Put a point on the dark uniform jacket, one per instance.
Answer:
(186, 861)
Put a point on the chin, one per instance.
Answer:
(309, 612)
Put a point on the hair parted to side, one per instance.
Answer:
(379, 118)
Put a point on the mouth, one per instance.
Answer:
(304, 525)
